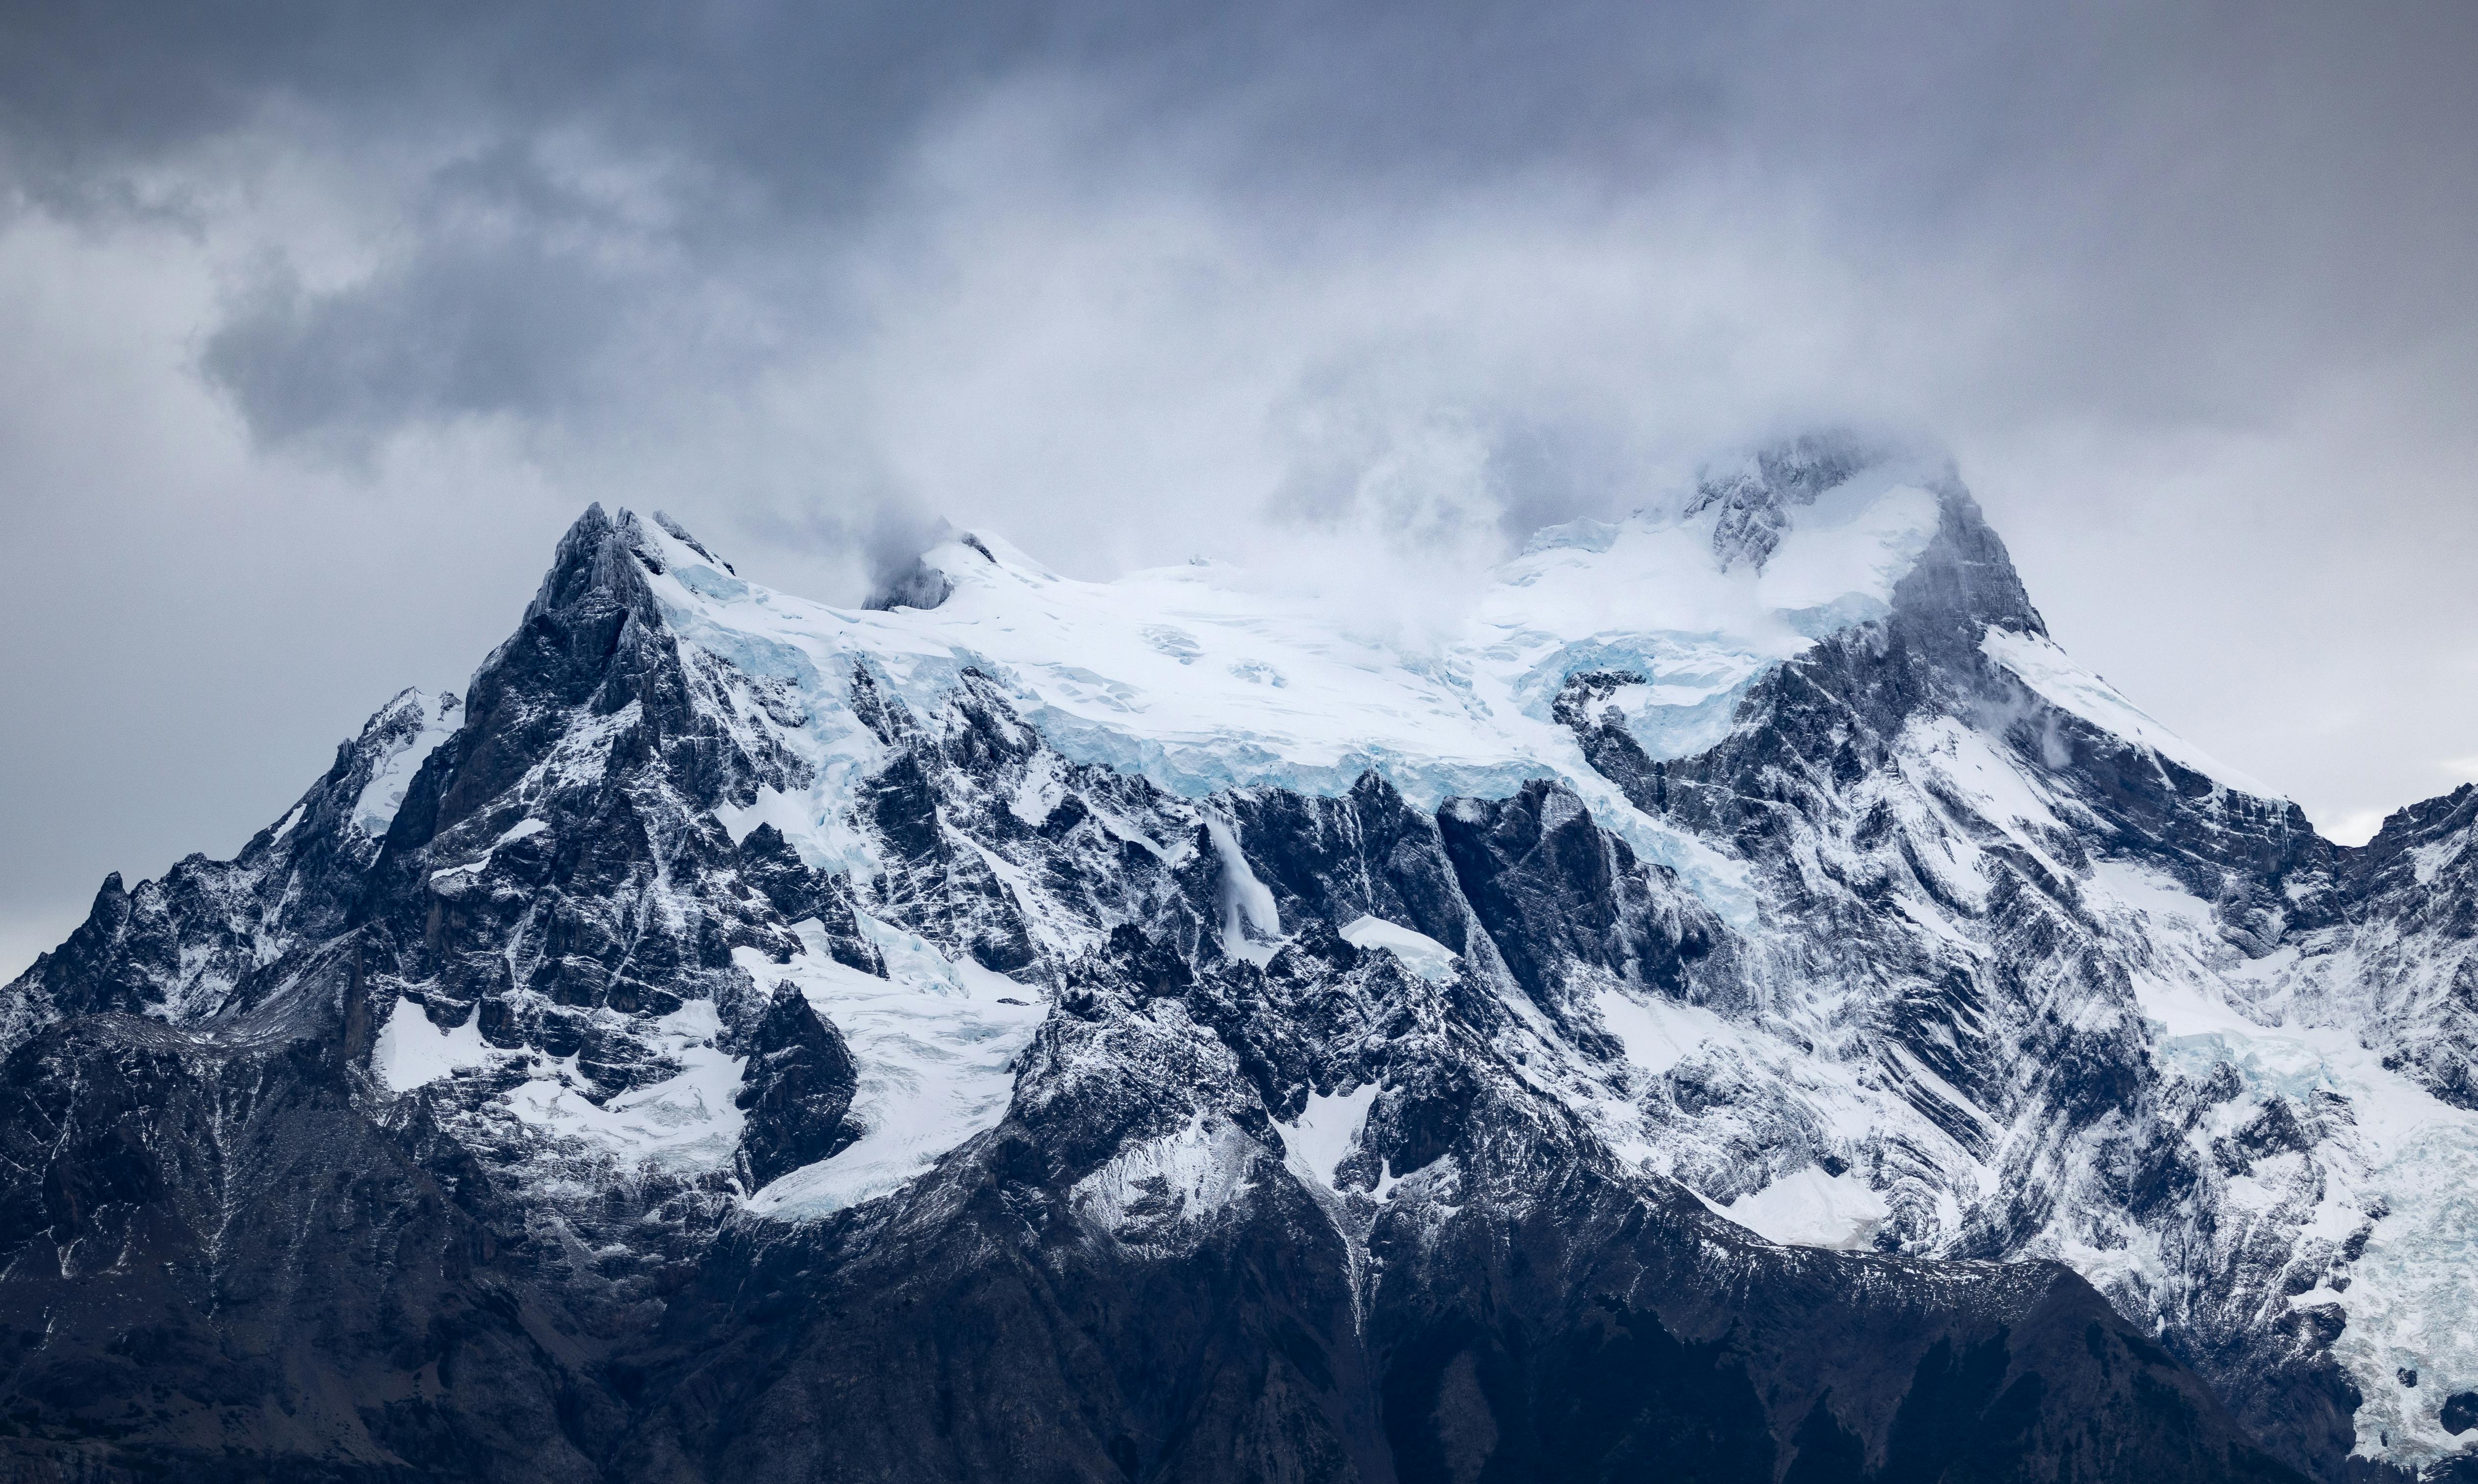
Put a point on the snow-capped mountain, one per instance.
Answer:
(1734, 1008)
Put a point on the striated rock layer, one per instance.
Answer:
(1751, 1008)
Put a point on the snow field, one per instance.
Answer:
(687, 1122)
(2404, 1168)
(935, 1043)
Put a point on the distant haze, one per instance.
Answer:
(317, 324)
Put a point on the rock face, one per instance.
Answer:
(1037, 1030)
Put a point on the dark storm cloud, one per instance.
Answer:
(808, 96)
(764, 132)
(809, 99)
(1376, 286)
(505, 329)
(505, 288)
(2148, 177)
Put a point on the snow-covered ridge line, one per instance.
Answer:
(2040, 664)
(1201, 683)
(404, 732)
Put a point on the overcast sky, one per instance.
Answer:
(319, 322)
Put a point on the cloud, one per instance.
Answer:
(1357, 295)
(577, 220)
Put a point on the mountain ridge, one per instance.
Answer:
(1766, 859)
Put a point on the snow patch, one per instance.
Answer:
(791, 815)
(1420, 954)
(1252, 928)
(523, 829)
(935, 1043)
(1039, 794)
(1809, 1208)
(415, 725)
(2428, 861)
(688, 1122)
(1179, 1180)
(410, 1052)
(1327, 1130)
(1658, 1034)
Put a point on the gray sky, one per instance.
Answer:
(319, 322)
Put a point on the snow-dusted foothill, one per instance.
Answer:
(1733, 1007)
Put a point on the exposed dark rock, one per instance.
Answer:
(797, 1088)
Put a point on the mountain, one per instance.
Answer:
(1748, 1006)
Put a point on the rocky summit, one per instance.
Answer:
(1745, 1006)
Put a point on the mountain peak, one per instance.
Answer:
(950, 556)
(679, 533)
(1753, 493)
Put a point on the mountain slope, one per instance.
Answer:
(1055, 1029)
